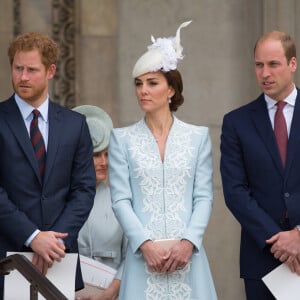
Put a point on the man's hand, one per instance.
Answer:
(47, 248)
(285, 243)
(40, 263)
(294, 264)
(286, 248)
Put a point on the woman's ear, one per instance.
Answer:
(171, 92)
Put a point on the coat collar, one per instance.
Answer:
(264, 129)
(294, 137)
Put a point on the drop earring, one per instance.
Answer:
(170, 100)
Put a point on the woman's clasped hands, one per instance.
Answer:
(160, 260)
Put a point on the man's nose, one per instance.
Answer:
(24, 75)
(265, 72)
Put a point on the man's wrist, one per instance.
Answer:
(32, 237)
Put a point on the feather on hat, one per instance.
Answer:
(163, 54)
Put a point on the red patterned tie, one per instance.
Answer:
(280, 131)
(38, 141)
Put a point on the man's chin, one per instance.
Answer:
(25, 96)
(269, 92)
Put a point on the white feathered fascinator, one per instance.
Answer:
(162, 55)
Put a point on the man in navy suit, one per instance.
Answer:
(42, 213)
(261, 189)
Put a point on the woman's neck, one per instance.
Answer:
(159, 125)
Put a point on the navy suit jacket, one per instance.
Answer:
(257, 189)
(64, 199)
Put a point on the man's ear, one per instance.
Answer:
(51, 71)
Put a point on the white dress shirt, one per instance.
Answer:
(26, 112)
(288, 110)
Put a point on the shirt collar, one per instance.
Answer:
(290, 99)
(26, 109)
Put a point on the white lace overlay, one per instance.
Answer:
(162, 186)
(168, 286)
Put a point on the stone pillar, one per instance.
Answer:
(283, 16)
(96, 63)
(6, 34)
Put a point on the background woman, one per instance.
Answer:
(101, 237)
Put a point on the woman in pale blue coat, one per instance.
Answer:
(160, 172)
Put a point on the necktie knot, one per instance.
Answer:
(280, 105)
(36, 114)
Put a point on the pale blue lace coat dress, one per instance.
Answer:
(156, 200)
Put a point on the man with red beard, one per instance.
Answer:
(47, 176)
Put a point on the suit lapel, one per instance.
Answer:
(294, 138)
(54, 116)
(16, 123)
(264, 128)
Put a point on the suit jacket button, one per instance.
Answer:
(286, 195)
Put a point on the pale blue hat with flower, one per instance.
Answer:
(162, 55)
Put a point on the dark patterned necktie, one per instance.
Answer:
(38, 142)
(280, 131)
